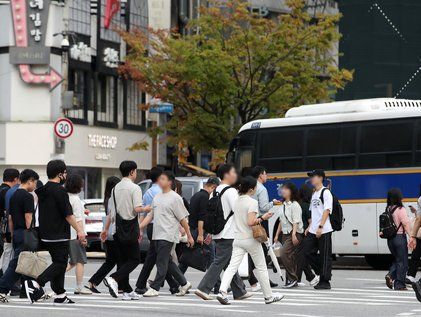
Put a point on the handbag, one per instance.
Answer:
(30, 237)
(197, 257)
(31, 264)
(125, 230)
(259, 233)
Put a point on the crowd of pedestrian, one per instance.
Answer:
(226, 220)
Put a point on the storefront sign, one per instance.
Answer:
(111, 57)
(81, 52)
(30, 18)
(102, 141)
(163, 107)
(63, 128)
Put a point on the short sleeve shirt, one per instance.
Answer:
(243, 206)
(317, 209)
(21, 203)
(289, 215)
(228, 201)
(78, 211)
(128, 196)
(167, 211)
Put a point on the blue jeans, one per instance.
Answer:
(398, 246)
(10, 277)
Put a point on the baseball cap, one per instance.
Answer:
(213, 181)
(317, 172)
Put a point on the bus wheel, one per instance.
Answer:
(379, 261)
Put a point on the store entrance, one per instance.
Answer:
(92, 177)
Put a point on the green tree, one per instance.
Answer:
(236, 67)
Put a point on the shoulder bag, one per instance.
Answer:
(126, 231)
(30, 237)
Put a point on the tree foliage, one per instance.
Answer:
(236, 67)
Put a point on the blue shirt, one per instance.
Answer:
(150, 194)
(9, 195)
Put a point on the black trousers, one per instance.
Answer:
(415, 260)
(129, 254)
(302, 263)
(56, 272)
(150, 262)
(165, 265)
(320, 262)
(111, 260)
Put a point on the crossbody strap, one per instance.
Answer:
(287, 217)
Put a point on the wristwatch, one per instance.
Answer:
(320, 227)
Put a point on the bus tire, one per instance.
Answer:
(379, 261)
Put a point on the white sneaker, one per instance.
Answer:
(82, 291)
(130, 296)
(183, 289)
(301, 284)
(315, 281)
(256, 288)
(112, 286)
(151, 293)
(411, 279)
(3, 298)
(203, 295)
(275, 298)
(223, 298)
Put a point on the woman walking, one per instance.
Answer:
(245, 216)
(77, 250)
(398, 245)
(111, 252)
(291, 227)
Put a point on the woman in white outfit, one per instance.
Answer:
(245, 216)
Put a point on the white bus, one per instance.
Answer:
(366, 147)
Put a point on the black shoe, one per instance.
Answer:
(389, 281)
(273, 284)
(63, 300)
(216, 291)
(323, 285)
(34, 292)
(290, 284)
(417, 289)
(93, 288)
(141, 291)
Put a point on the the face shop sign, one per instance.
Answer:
(102, 142)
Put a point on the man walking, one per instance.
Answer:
(150, 259)
(168, 213)
(198, 209)
(55, 219)
(10, 179)
(319, 232)
(20, 218)
(126, 205)
(224, 240)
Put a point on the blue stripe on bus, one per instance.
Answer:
(360, 187)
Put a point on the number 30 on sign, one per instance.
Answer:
(63, 128)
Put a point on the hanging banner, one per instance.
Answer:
(30, 18)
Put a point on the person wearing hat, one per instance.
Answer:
(319, 232)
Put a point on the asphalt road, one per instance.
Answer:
(354, 293)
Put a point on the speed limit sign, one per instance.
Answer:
(63, 128)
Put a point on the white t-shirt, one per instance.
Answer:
(243, 206)
(228, 200)
(317, 209)
(79, 213)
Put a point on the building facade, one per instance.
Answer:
(383, 48)
(104, 107)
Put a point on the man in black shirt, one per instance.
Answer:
(10, 179)
(198, 209)
(55, 219)
(21, 211)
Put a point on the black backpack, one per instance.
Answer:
(386, 224)
(215, 220)
(336, 216)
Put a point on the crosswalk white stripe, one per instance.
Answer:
(37, 307)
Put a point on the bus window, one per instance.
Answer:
(244, 158)
(281, 143)
(331, 141)
(388, 137)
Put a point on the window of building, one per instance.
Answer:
(79, 82)
(106, 99)
(133, 115)
(80, 17)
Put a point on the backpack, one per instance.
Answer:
(336, 216)
(386, 224)
(215, 220)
